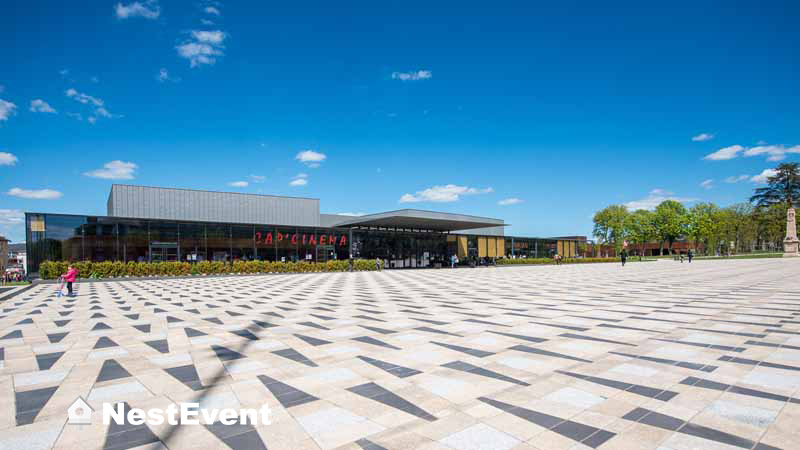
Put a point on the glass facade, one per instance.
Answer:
(60, 237)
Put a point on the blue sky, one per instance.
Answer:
(452, 106)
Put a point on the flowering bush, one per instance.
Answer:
(553, 261)
(50, 270)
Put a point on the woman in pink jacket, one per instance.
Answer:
(69, 277)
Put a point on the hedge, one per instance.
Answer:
(49, 270)
(553, 261)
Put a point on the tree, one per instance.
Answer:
(609, 225)
(641, 228)
(783, 187)
(670, 219)
(737, 224)
(703, 225)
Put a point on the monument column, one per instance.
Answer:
(791, 243)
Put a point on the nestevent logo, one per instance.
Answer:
(80, 413)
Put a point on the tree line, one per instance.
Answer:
(759, 224)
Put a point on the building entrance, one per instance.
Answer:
(163, 251)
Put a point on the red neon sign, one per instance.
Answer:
(305, 239)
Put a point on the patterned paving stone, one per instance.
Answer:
(663, 355)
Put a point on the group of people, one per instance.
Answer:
(623, 255)
(10, 277)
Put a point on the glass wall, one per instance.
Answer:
(59, 237)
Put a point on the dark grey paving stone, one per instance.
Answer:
(16, 334)
(286, 395)
(245, 441)
(394, 369)
(159, 345)
(111, 370)
(316, 342)
(29, 403)
(541, 419)
(469, 351)
(214, 320)
(716, 435)
(366, 444)
(536, 340)
(2, 354)
(45, 360)
(684, 364)
(105, 342)
(187, 375)
(704, 345)
(378, 330)
(434, 330)
(126, 435)
(599, 438)
(379, 394)
(753, 362)
(645, 391)
(294, 355)
(143, 328)
(590, 338)
(537, 351)
(191, 332)
(100, 326)
(574, 430)
(566, 327)
(373, 341)
(245, 334)
(473, 369)
(56, 337)
(226, 354)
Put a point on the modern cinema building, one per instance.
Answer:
(166, 224)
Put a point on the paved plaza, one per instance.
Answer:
(655, 355)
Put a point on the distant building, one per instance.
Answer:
(167, 224)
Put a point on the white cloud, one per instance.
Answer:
(114, 170)
(203, 47)
(99, 106)
(725, 153)
(206, 22)
(83, 98)
(41, 106)
(11, 217)
(209, 37)
(94, 79)
(238, 183)
(655, 197)
(63, 72)
(412, 76)
(359, 214)
(148, 10)
(509, 201)
(762, 177)
(736, 179)
(75, 116)
(163, 75)
(300, 179)
(311, 158)
(702, 137)
(8, 159)
(774, 152)
(257, 178)
(442, 194)
(38, 194)
(707, 184)
(6, 110)
(211, 10)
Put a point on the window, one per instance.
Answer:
(285, 241)
(218, 239)
(242, 242)
(192, 241)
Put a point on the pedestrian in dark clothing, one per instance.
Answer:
(690, 255)
(623, 255)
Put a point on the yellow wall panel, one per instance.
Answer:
(481, 247)
(501, 248)
(462, 247)
(492, 247)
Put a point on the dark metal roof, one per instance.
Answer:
(421, 220)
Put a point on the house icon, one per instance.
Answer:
(79, 413)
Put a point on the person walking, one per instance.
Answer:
(690, 255)
(377, 264)
(69, 278)
(452, 261)
(623, 255)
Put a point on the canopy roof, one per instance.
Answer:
(421, 220)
